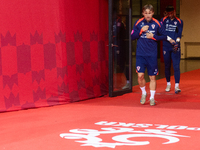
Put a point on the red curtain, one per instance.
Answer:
(52, 52)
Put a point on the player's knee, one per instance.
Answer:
(152, 78)
(140, 76)
(176, 67)
(167, 66)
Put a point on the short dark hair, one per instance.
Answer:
(169, 8)
(148, 6)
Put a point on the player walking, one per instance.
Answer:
(173, 27)
(148, 31)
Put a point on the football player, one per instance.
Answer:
(172, 52)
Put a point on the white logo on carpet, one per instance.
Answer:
(126, 132)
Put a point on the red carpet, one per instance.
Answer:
(105, 123)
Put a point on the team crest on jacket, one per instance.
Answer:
(175, 23)
(142, 24)
(153, 26)
(138, 68)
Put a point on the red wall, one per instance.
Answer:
(52, 52)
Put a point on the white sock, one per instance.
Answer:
(127, 81)
(176, 85)
(168, 83)
(143, 90)
(152, 94)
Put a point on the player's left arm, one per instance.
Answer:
(180, 30)
(161, 34)
(135, 33)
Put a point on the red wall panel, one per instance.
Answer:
(52, 52)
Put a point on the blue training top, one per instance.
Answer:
(148, 47)
(173, 29)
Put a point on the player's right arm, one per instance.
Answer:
(135, 33)
(137, 30)
(162, 21)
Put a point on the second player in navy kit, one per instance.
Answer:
(147, 31)
(173, 27)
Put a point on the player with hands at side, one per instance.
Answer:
(171, 50)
